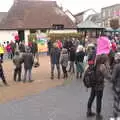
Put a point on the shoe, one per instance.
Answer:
(6, 84)
(90, 114)
(31, 81)
(24, 81)
(80, 75)
(52, 77)
(58, 76)
(14, 80)
(66, 75)
(99, 117)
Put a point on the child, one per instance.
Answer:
(64, 61)
(28, 60)
(2, 74)
(17, 60)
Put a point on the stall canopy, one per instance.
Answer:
(88, 25)
(112, 30)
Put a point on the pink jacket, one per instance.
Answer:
(103, 45)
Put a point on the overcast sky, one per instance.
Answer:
(74, 6)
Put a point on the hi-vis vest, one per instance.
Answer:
(1, 50)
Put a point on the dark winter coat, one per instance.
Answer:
(22, 47)
(72, 54)
(116, 88)
(99, 78)
(102, 72)
(34, 47)
(54, 55)
(28, 60)
(116, 76)
(18, 60)
(79, 57)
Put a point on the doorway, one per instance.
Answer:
(21, 35)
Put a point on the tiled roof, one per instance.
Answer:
(35, 15)
(2, 15)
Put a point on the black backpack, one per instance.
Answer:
(89, 79)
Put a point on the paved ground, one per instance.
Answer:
(60, 103)
(41, 75)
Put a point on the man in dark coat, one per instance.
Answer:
(17, 60)
(22, 47)
(54, 57)
(34, 48)
(49, 46)
(28, 60)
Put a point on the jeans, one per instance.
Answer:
(29, 72)
(72, 69)
(98, 95)
(52, 69)
(17, 71)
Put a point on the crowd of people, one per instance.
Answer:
(103, 59)
(20, 54)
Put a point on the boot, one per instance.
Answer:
(5, 83)
(52, 76)
(77, 75)
(80, 75)
(58, 75)
(90, 113)
(66, 75)
(99, 117)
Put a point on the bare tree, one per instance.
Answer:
(114, 23)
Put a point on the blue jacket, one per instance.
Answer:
(55, 55)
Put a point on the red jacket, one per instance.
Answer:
(114, 47)
(59, 43)
(17, 38)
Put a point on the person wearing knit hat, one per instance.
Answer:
(79, 48)
(79, 58)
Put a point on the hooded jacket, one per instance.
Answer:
(28, 59)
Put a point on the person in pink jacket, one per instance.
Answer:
(103, 45)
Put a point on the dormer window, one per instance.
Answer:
(58, 26)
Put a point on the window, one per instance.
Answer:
(43, 30)
(103, 14)
(58, 26)
(32, 31)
